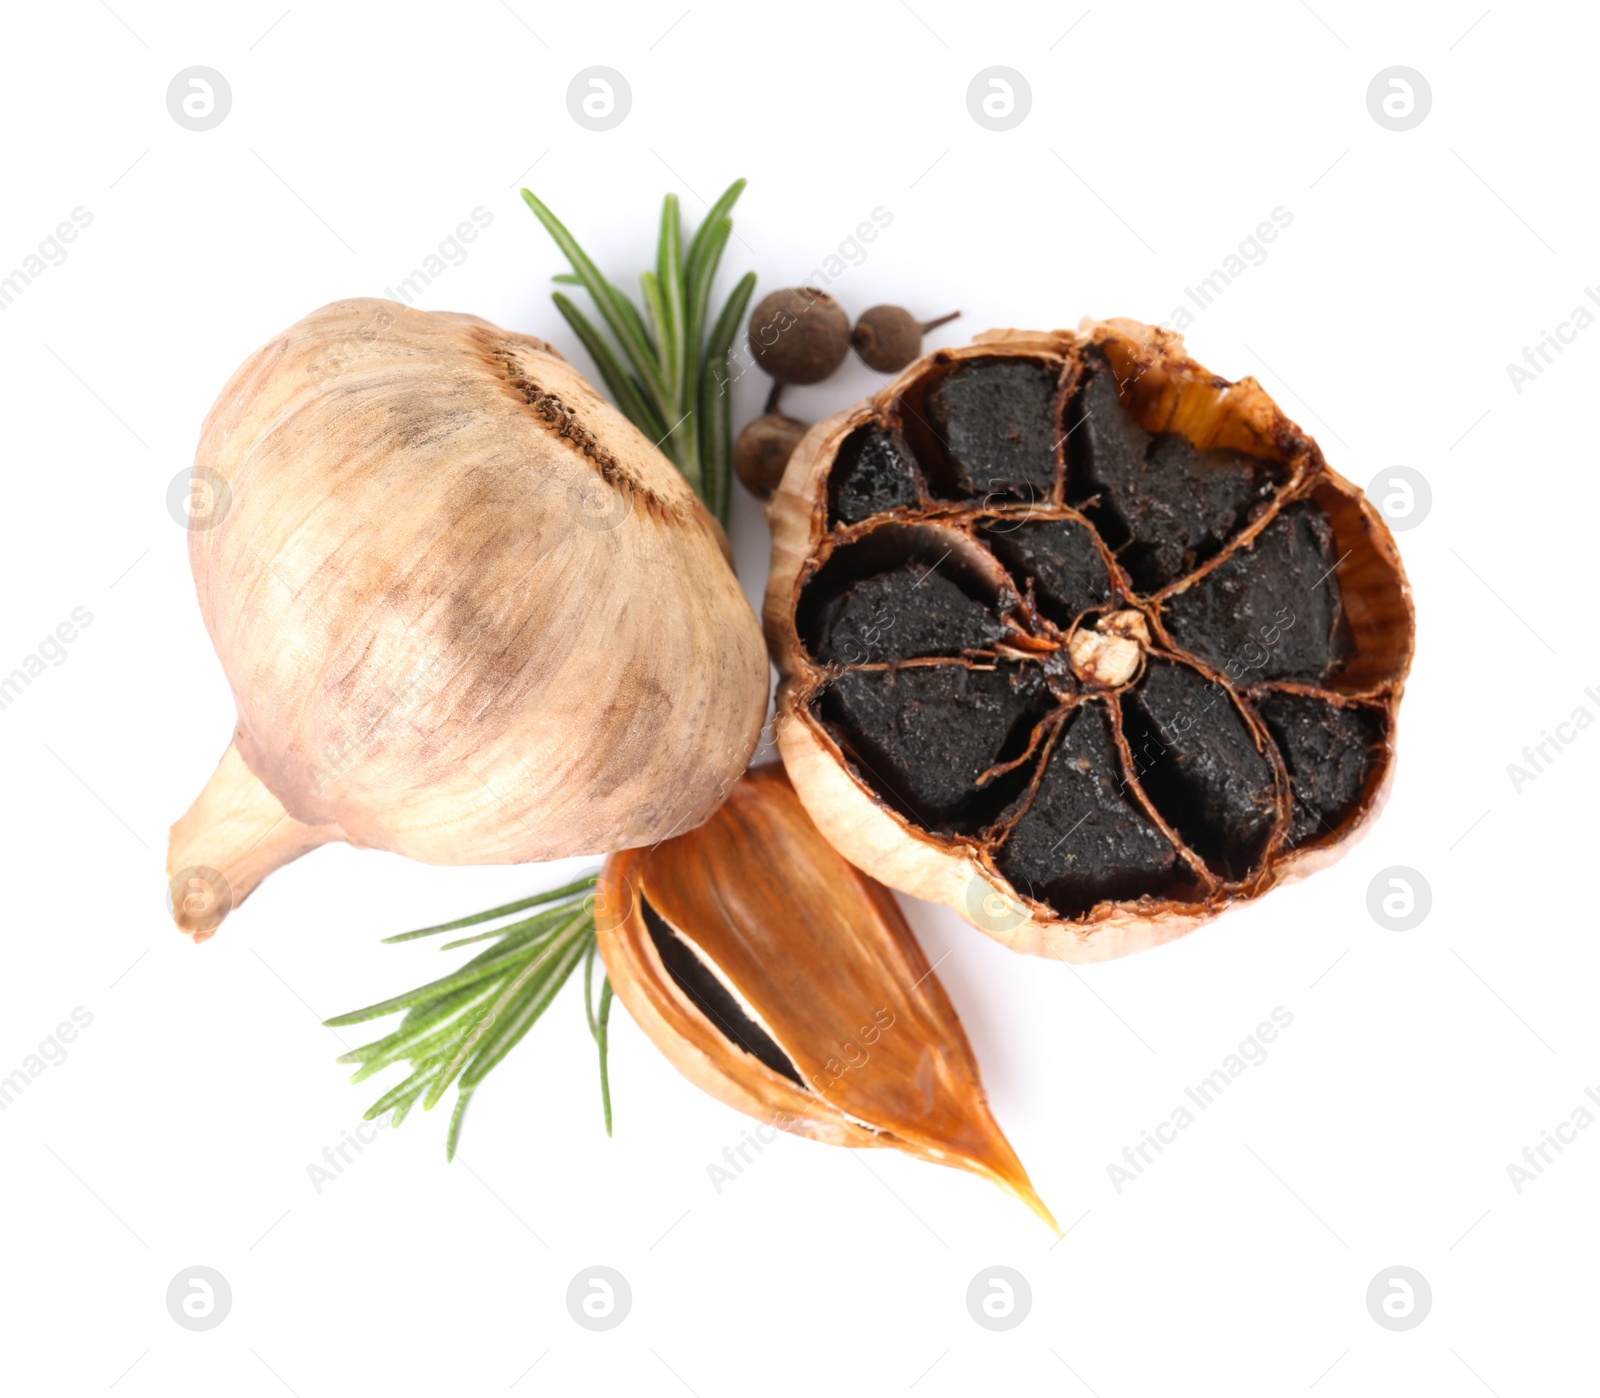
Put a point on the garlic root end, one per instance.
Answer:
(234, 835)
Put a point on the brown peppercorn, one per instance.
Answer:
(889, 337)
(762, 450)
(799, 335)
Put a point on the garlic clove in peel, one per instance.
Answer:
(467, 611)
(787, 984)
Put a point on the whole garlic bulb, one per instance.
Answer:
(468, 612)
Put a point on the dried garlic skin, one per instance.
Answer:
(468, 612)
(1220, 623)
(784, 982)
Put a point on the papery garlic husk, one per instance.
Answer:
(934, 507)
(800, 995)
(468, 612)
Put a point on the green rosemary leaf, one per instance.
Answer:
(458, 1044)
(518, 934)
(655, 308)
(677, 440)
(622, 305)
(453, 1000)
(526, 999)
(598, 1029)
(429, 1002)
(405, 1093)
(454, 1133)
(669, 276)
(702, 273)
(468, 975)
(716, 220)
(402, 1109)
(522, 1009)
(582, 885)
(423, 1043)
(629, 312)
(588, 980)
(624, 389)
(701, 279)
(487, 1026)
(433, 1011)
(435, 1057)
(689, 430)
(715, 449)
(705, 252)
(714, 385)
(392, 1047)
(605, 1050)
(589, 971)
(609, 302)
(720, 340)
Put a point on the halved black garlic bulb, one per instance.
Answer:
(1082, 640)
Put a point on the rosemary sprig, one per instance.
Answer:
(674, 384)
(457, 1028)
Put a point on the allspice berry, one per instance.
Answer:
(799, 335)
(889, 337)
(762, 450)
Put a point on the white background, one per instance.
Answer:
(179, 1129)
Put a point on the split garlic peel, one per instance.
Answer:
(797, 992)
(468, 612)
